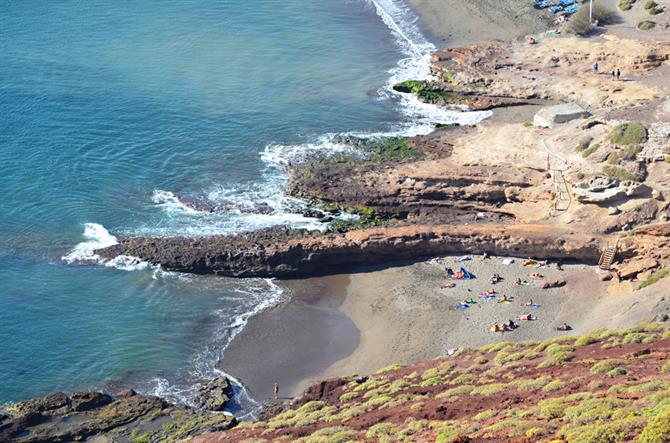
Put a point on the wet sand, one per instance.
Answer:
(294, 341)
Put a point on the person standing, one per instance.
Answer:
(618, 74)
(595, 67)
(276, 391)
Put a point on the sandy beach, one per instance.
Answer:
(457, 23)
(358, 323)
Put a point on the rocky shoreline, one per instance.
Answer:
(444, 193)
(126, 416)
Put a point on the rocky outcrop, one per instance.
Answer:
(215, 395)
(603, 190)
(58, 417)
(284, 253)
(426, 188)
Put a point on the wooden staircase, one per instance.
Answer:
(608, 256)
(563, 197)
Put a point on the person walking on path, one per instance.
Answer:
(276, 391)
(618, 74)
(595, 67)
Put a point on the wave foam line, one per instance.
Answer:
(205, 363)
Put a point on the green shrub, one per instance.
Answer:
(463, 379)
(630, 133)
(593, 409)
(585, 340)
(652, 7)
(552, 408)
(625, 5)
(619, 173)
(584, 144)
(433, 381)
(666, 367)
(481, 360)
(347, 396)
(605, 366)
(657, 429)
(555, 385)
(655, 277)
(646, 25)
(590, 150)
(634, 337)
(617, 372)
(490, 389)
(613, 158)
(389, 368)
(580, 24)
(381, 430)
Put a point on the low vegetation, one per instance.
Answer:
(619, 173)
(429, 92)
(630, 133)
(626, 5)
(394, 149)
(590, 150)
(655, 277)
(589, 392)
(652, 7)
(366, 218)
(580, 24)
(646, 25)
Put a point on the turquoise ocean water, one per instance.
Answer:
(112, 109)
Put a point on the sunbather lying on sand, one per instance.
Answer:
(488, 293)
(448, 285)
(536, 275)
(529, 262)
(564, 327)
(505, 299)
(495, 279)
(529, 302)
(525, 317)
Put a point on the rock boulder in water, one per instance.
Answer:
(215, 395)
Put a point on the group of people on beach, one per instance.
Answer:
(491, 293)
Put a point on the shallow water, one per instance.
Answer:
(110, 110)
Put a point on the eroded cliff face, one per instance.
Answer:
(280, 254)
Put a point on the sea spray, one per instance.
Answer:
(97, 237)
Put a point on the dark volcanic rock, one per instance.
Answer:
(215, 395)
(47, 404)
(83, 401)
(288, 253)
(89, 414)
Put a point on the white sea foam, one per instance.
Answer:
(258, 295)
(97, 237)
(171, 202)
(127, 263)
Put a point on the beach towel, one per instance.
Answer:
(466, 274)
(464, 258)
(508, 261)
(462, 306)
